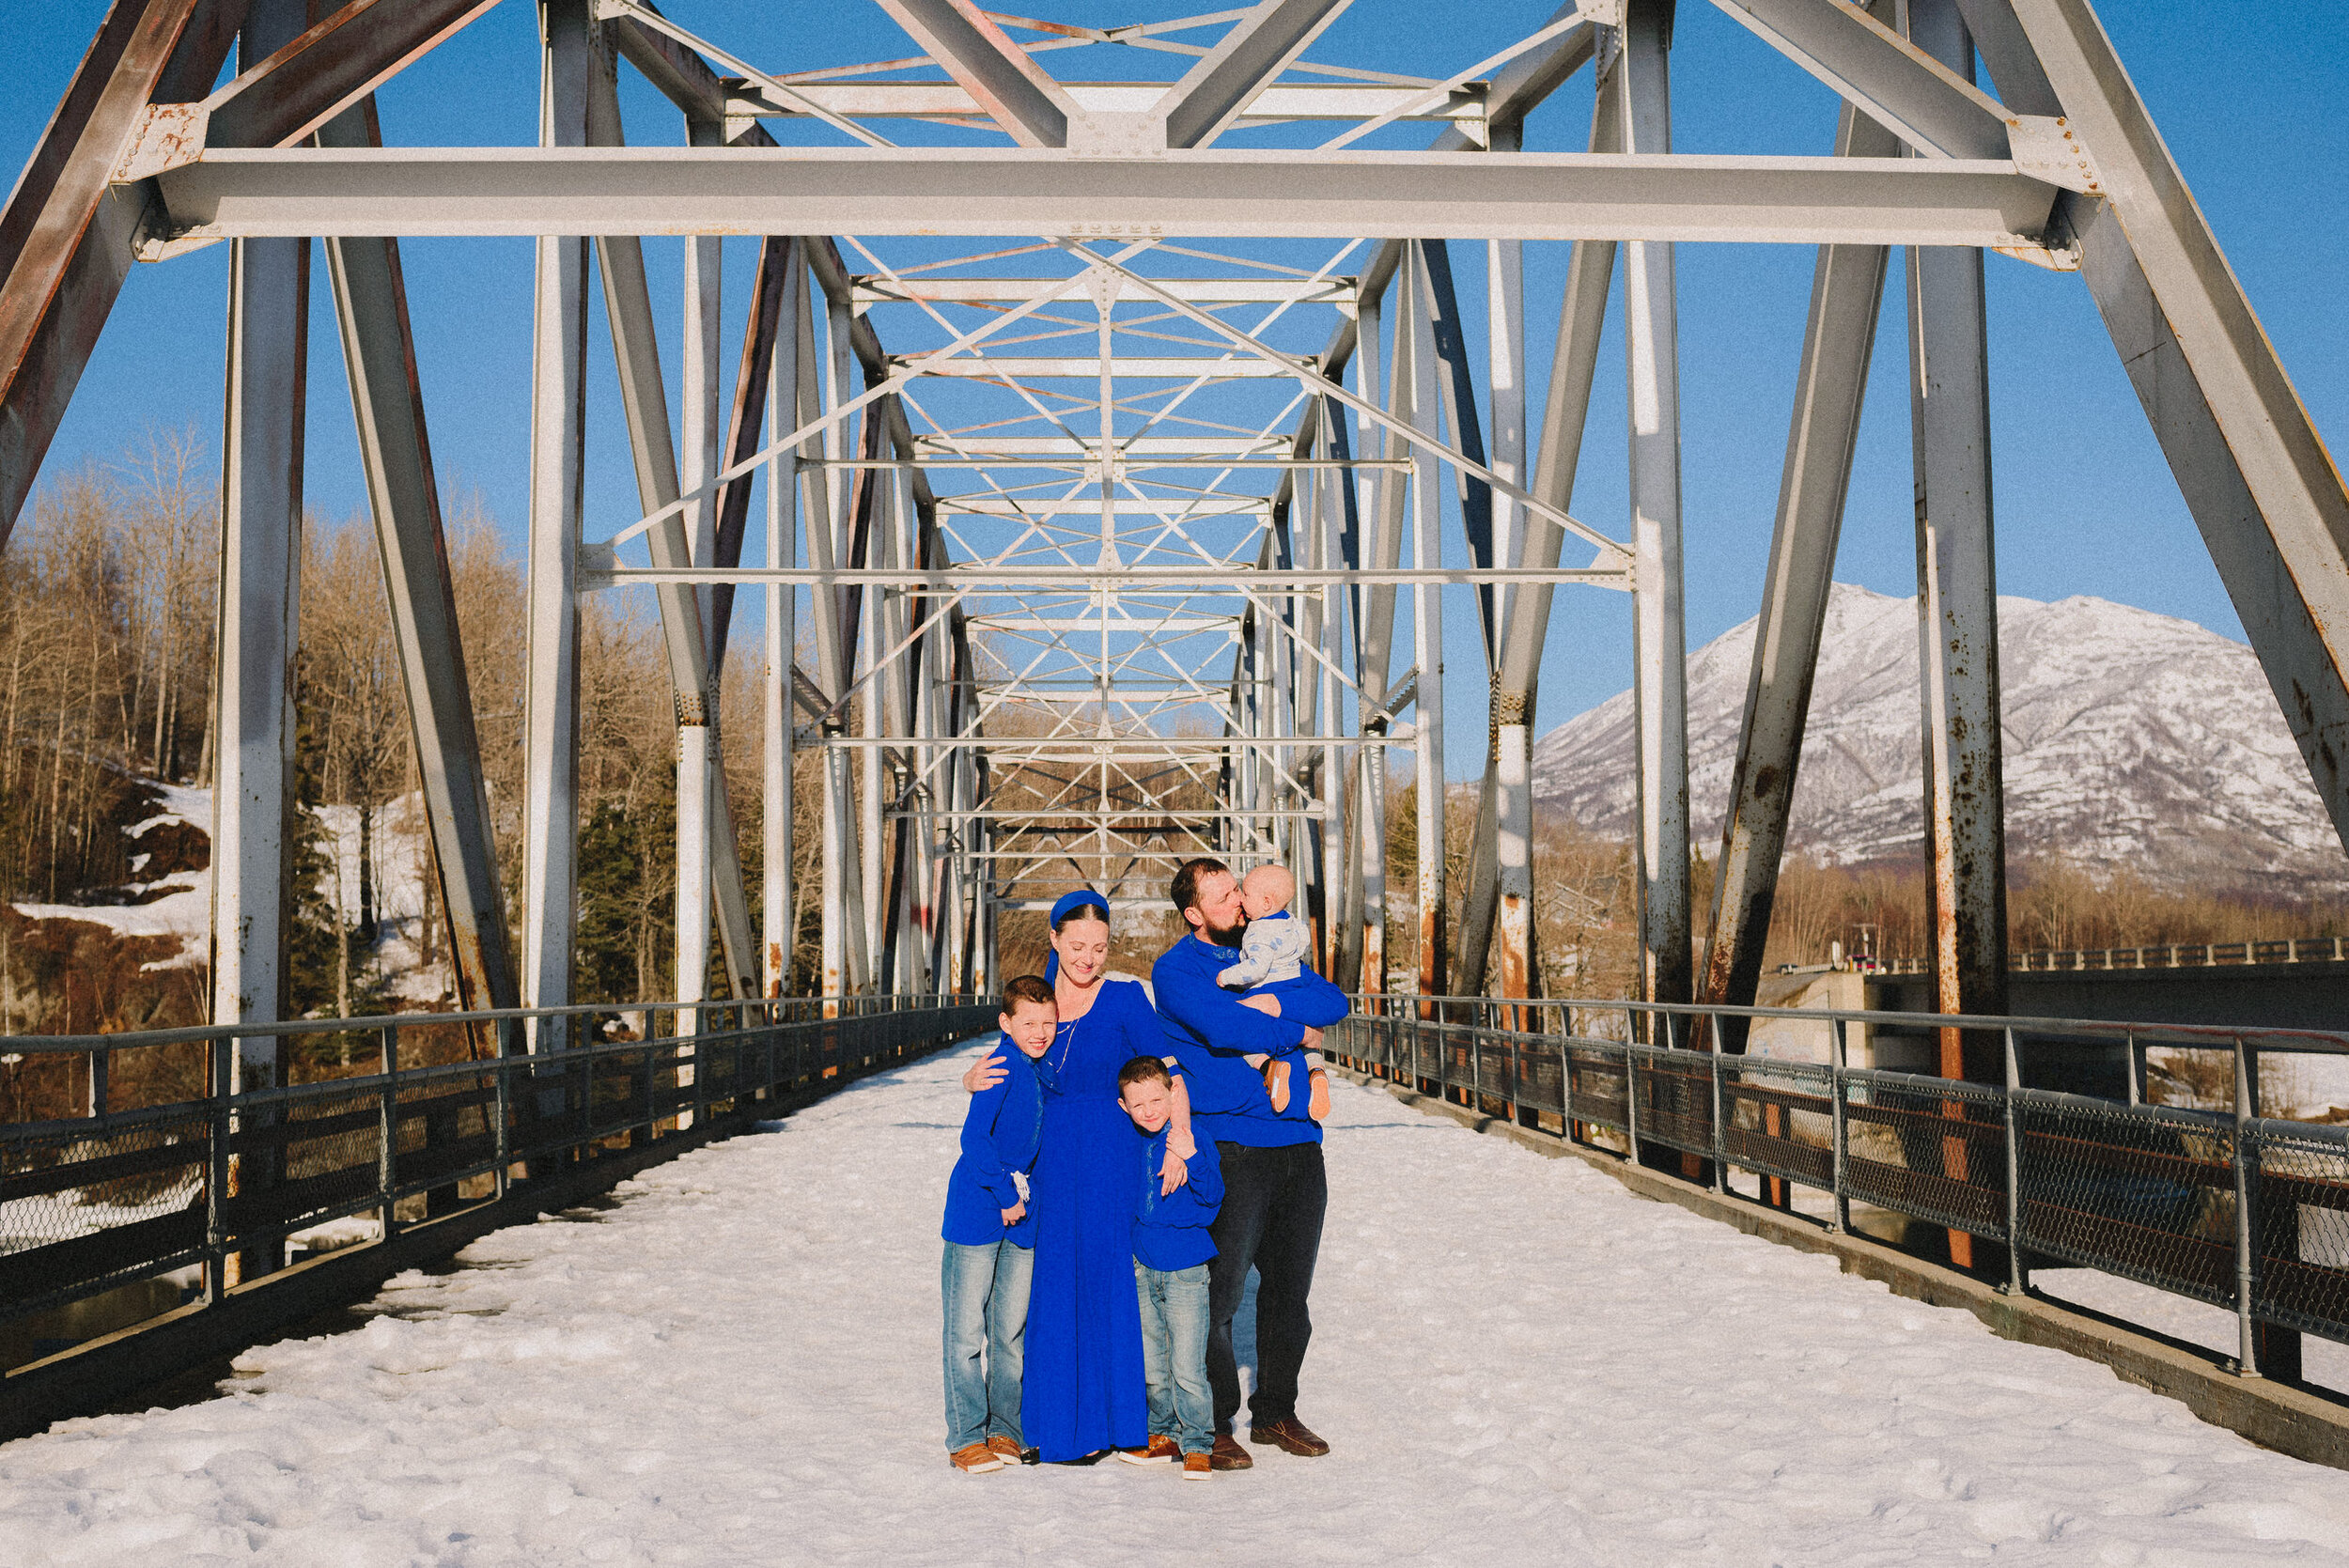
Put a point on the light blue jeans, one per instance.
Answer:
(1174, 1353)
(986, 1294)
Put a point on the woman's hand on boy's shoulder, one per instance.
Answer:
(987, 1071)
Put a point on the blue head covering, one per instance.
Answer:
(1068, 901)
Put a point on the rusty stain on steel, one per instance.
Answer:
(336, 62)
(63, 253)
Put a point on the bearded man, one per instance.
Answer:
(1274, 1187)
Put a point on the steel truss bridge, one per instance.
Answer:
(1098, 431)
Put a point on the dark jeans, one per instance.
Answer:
(1273, 1201)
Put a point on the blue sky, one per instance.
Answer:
(2250, 106)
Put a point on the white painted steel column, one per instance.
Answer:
(827, 531)
(1957, 614)
(871, 631)
(1512, 709)
(776, 708)
(260, 617)
(1660, 638)
(697, 712)
(1374, 636)
(1426, 619)
(558, 439)
(1329, 502)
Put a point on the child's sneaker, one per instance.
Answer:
(1318, 1107)
(978, 1460)
(1198, 1467)
(1276, 1084)
(1158, 1450)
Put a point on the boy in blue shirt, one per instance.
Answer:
(990, 1240)
(1171, 1254)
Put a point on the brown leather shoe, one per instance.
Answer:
(1292, 1436)
(1012, 1453)
(1158, 1450)
(1318, 1107)
(1198, 1467)
(1229, 1455)
(976, 1460)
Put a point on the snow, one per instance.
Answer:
(2130, 737)
(183, 910)
(401, 860)
(184, 907)
(1514, 1359)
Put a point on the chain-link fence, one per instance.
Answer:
(403, 1119)
(2206, 1199)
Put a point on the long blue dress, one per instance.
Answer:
(1084, 1389)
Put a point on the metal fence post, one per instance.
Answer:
(2247, 1355)
(2014, 1284)
(1838, 1136)
(652, 1074)
(1721, 1135)
(1631, 1103)
(502, 1103)
(388, 1131)
(702, 1064)
(216, 1179)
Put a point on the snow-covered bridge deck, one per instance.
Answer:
(1515, 1360)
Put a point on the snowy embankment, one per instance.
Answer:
(1515, 1360)
(178, 906)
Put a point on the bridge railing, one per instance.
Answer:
(404, 1119)
(2159, 955)
(2210, 1201)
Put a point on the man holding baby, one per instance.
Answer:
(1274, 1187)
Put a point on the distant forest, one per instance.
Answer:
(107, 612)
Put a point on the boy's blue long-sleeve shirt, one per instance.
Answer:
(1001, 1132)
(1208, 1031)
(1171, 1229)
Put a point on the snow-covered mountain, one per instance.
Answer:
(2131, 739)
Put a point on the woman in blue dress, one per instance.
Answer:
(1084, 1390)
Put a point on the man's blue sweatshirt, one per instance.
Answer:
(1001, 1131)
(1208, 1031)
(1171, 1229)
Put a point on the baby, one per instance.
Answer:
(1273, 950)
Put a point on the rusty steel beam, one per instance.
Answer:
(776, 256)
(336, 62)
(379, 351)
(68, 235)
(682, 76)
(1958, 615)
(1846, 299)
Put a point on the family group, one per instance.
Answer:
(1130, 1153)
